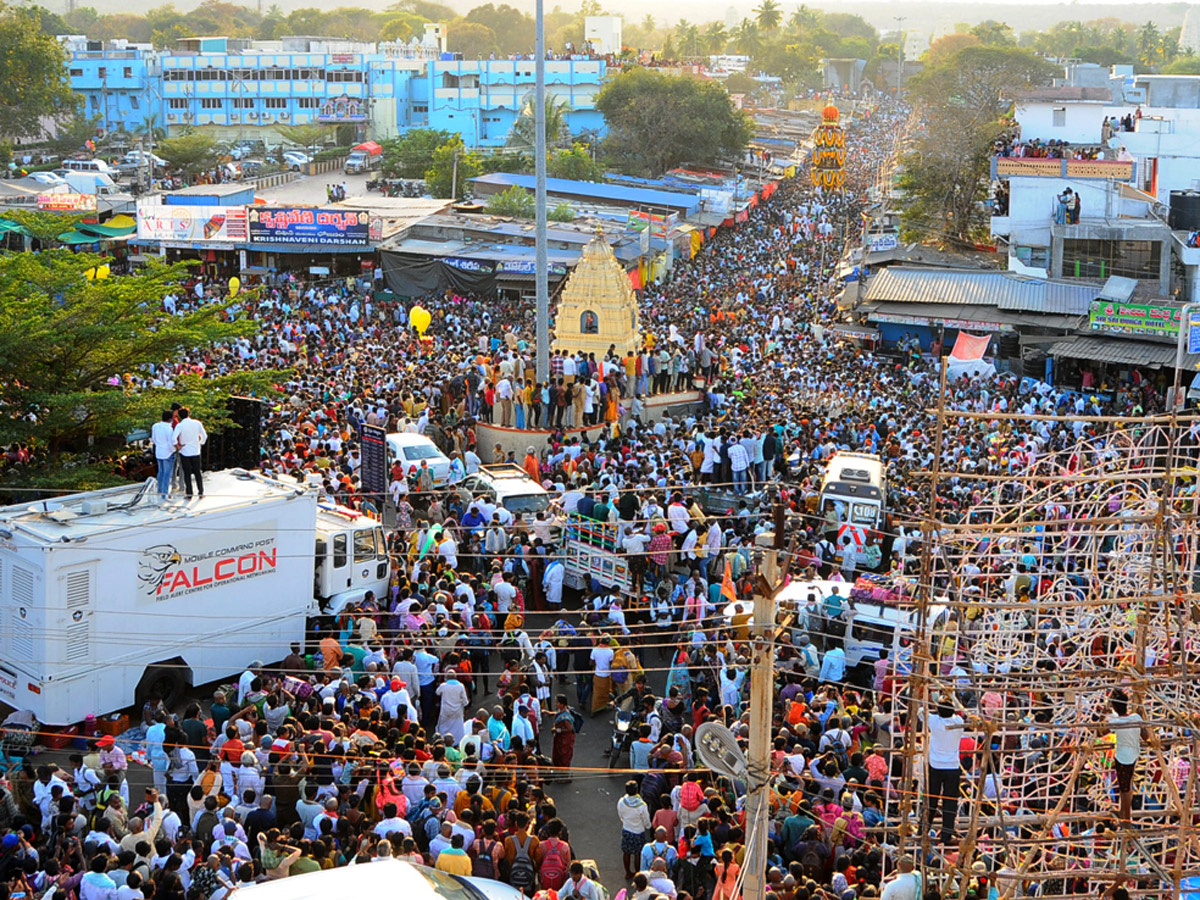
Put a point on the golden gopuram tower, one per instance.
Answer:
(598, 308)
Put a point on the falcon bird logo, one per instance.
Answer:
(155, 563)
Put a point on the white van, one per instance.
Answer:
(855, 484)
(95, 166)
(873, 626)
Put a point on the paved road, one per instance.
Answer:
(309, 190)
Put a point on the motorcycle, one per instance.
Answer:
(625, 724)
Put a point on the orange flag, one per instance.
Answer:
(727, 589)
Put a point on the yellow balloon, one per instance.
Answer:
(103, 272)
(235, 285)
(89, 274)
(420, 318)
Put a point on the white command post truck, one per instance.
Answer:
(108, 596)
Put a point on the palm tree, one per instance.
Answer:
(648, 24)
(150, 129)
(1147, 43)
(768, 14)
(747, 37)
(716, 37)
(689, 38)
(524, 132)
(803, 17)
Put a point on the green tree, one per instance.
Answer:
(980, 80)
(576, 164)
(1148, 40)
(995, 34)
(748, 38)
(944, 48)
(562, 212)
(514, 201)
(472, 40)
(944, 174)
(426, 9)
(411, 154)
(768, 14)
(41, 225)
(33, 71)
(189, 153)
(740, 83)
(71, 134)
(1184, 65)
(688, 34)
(309, 136)
(514, 30)
(63, 337)
(505, 161)
(656, 122)
(715, 37)
(523, 135)
(451, 167)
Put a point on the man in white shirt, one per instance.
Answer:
(905, 886)
(504, 396)
(945, 733)
(162, 435)
(190, 436)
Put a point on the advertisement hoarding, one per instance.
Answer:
(191, 223)
(67, 201)
(1155, 319)
(308, 225)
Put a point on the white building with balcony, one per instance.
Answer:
(1148, 130)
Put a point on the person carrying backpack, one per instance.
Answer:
(837, 739)
(486, 853)
(554, 857)
(520, 849)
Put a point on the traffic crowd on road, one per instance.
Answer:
(433, 724)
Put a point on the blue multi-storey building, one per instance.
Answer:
(244, 89)
(120, 82)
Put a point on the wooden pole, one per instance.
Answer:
(762, 683)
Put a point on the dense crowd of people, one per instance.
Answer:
(434, 724)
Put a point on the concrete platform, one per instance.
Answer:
(517, 440)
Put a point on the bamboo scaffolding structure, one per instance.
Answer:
(1105, 535)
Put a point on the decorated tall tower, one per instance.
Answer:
(829, 150)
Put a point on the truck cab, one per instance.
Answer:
(351, 558)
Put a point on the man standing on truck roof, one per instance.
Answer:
(162, 435)
(190, 436)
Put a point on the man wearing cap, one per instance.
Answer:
(905, 886)
(395, 699)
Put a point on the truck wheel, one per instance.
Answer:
(166, 683)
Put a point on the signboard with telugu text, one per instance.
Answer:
(67, 201)
(310, 225)
(1153, 319)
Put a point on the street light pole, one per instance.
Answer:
(899, 54)
(541, 264)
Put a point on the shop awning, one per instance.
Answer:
(859, 332)
(71, 238)
(8, 225)
(987, 318)
(1122, 352)
(309, 249)
(106, 231)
